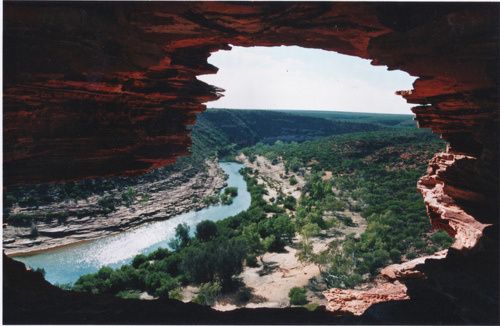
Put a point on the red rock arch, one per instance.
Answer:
(94, 89)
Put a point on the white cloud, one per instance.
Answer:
(297, 78)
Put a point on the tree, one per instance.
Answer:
(139, 260)
(182, 238)
(218, 259)
(206, 230)
(251, 235)
(305, 252)
(342, 271)
(280, 229)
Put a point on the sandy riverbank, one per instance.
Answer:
(274, 177)
(270, 283)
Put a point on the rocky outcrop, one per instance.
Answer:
(94, 89)
(386, 287)
(407, 270)
(98, 89)
(357, 301)
(442, 200)
(86, 220)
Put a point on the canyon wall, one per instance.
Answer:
(96, 89)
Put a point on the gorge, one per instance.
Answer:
(100, 89)
(65, 265)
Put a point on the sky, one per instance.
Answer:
(292, 77)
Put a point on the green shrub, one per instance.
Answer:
(218, 259)
(273, 209)
(129, 294)
(290, 202)
(206, 230)
(20, 219)
(226, 199)
(311, 306)
(107, 203)
(431, 249)
(160, 253)
(244, 295)
(293, 180)
(59, 216)
(153, 281)
(419, 244)
(297, 296)
(442, 239)
(411, 255)
(168, 284)
(139, 260)
(146, 197)
(181, 239)
(208, 293)
(395, 255)
(251, 260)
(175, 294)
(128, 196)
(169, 264)
(231, 191)
(211, 200)
(346, 220)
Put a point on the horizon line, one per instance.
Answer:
(310, 110)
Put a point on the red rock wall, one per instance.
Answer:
(95, 89)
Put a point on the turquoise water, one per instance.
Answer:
(65, 265)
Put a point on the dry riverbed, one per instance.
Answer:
(271, 281)
(274, 177)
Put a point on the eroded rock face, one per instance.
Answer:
(441, 199)
(408, 269)
(357, 301)
(386, 287)
(95, 89)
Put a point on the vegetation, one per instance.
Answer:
(248, 127)
(217, 133)
(297, 296)
(227, 196)
(374, 164)
(208, 293)
(366, 168)
(206, 230)
(210, 259)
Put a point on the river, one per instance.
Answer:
(66, 264)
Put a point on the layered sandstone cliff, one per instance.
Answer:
(94, 89)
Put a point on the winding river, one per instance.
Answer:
(66, 264)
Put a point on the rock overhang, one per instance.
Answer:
(96, 89)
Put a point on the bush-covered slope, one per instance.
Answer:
(248, 127)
